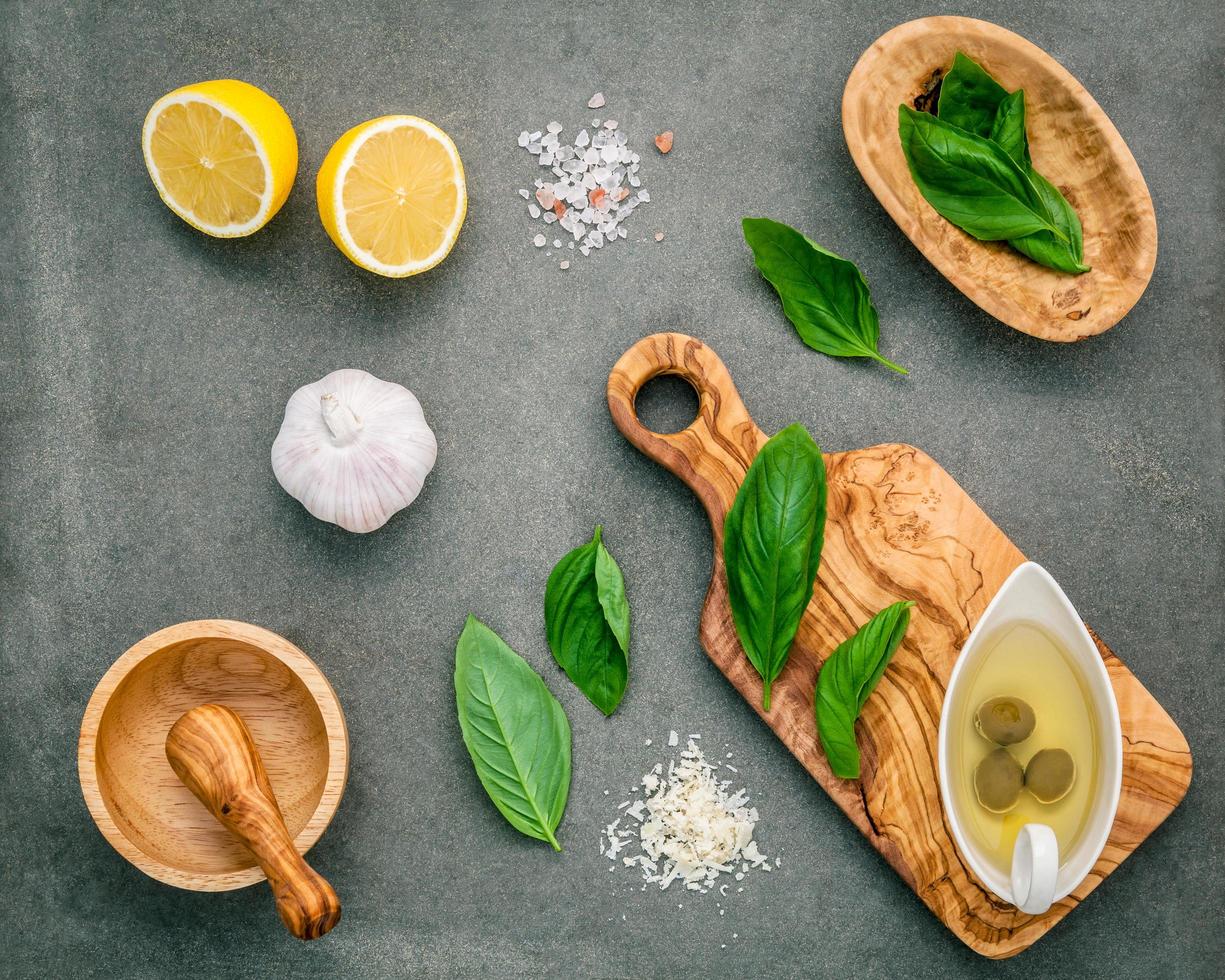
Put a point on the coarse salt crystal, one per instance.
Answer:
(565, 264)
(663, 142)
(596, 101)
(659, 237)
(591, 195)
(539, 241)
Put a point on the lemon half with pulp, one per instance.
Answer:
(222, 154)
(392, 195)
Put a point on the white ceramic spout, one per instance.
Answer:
(1030, 595)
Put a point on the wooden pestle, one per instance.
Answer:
(212, 751)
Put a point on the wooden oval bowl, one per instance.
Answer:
(137, 801)
(1074, 145)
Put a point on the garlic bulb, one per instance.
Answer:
(353, 449)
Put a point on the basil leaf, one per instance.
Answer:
(1043, 247)
(772, 546)
(610, 587)
(825, 297)
(846, 680)
(969, 97)
(587, 621)
(974, 101)
(1008, 129)
(970, 180)
(516, 732)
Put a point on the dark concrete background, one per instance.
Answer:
(146, 367)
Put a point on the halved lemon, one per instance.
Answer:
(222, 154)
(392, 195)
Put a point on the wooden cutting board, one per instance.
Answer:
(897, 527)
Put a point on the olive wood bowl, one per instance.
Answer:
(1074, 144)
(145, 811)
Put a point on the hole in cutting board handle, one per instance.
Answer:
(666, 404)
(720, 417)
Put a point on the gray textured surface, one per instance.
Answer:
(145, 368)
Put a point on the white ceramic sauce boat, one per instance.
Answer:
(1040, 875)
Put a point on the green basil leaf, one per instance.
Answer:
(587, 621)
(824, 296)
(772, 541)
(972, 100)
(610, 587)
(847, 679)
(1008, 130)
(971, 181)
(1043, 247)
(969, 97)
(516, 732)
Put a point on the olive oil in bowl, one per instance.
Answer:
(1023, 661)
(1030, 699)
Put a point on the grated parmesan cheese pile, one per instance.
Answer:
(687, 824)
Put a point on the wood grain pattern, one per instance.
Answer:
(212, 752)
(144, 810)
(897, 527)
(1074, 145)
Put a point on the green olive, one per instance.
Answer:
(998, 780)
(1050, 775)
(1004, 721)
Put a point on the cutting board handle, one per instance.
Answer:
(712, 453)
(212, 752)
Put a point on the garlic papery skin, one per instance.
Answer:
(353, 449)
